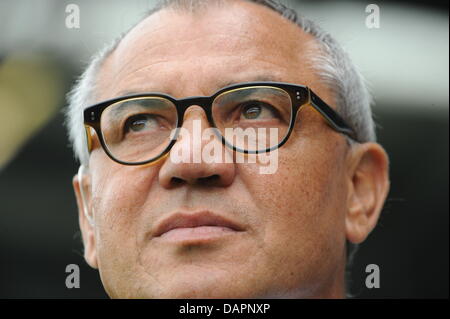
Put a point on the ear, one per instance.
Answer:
(82, 190)
(368, 184)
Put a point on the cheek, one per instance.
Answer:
(119, 193)
(308, 184)
(303, 203)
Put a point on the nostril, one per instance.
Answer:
(177, 180)
(209, 179)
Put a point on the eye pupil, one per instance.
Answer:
(138, 123)
(252, 111)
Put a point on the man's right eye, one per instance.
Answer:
(140, 122)
(256, 110)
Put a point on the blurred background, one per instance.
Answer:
(405, 60)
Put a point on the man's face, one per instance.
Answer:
(287, 237)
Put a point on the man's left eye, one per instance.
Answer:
(140, 122)
(257, 110)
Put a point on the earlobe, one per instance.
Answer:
(368, 186)
(84, 189)
(81, 185)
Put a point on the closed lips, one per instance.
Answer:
(181, 220)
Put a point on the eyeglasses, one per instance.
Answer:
(251, 118)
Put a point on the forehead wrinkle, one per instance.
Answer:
(137, 81)
(120, 69)
(216, 84)
(156, 51)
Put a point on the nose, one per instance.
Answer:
(195, 160)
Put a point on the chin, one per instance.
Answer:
(197, 286)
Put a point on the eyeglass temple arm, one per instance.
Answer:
(330, 115)
(87, 130)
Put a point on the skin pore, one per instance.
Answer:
(294, 223)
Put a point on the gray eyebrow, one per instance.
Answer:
(248, 94)
(257, 78)
(131, 92)
(119, 109)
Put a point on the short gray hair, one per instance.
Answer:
(333, 65)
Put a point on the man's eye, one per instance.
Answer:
(140, 122)
(257, 111)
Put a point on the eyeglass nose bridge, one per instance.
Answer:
(204, 102)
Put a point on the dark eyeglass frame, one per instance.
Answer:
(300, 96)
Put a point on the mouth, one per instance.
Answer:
(195, 227)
